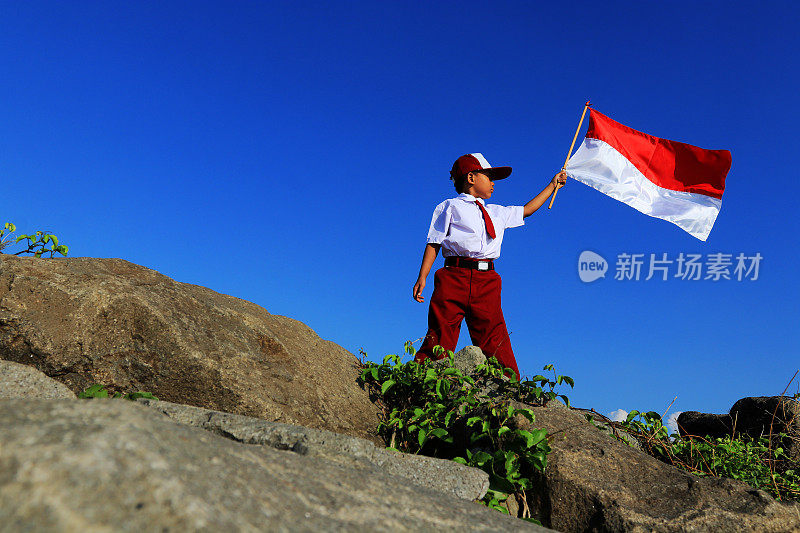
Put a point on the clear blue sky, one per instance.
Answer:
(291, 154)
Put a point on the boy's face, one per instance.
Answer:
(481, 185)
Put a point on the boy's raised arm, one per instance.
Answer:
(557, 182)
(428, 257)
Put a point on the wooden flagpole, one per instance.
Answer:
(569, 154)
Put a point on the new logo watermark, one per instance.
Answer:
(686, 267)
(591, 266)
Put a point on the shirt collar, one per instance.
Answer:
(469, 198)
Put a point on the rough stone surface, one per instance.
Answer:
(22, 381)
(438, 474)
(600, 423)
(697, 424)
(113, 465)
(595, 483)
(83, 320)
(466, 359)
(765, 415)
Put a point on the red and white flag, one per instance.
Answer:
(665, 179)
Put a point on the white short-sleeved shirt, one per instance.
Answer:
(458, 225)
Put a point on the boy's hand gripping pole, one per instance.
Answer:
(569, 154)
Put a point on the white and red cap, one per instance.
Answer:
(477, 163)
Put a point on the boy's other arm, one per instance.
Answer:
(557, 182)
(428, 257)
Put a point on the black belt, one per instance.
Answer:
(465, 262)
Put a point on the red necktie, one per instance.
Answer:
(487, 220)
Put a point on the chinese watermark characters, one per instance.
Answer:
(685, 266)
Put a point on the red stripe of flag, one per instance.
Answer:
(669, 164)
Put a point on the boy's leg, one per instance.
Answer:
(446, 311)
(485, 321)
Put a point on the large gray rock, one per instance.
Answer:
(466, 359)
(351, 452)
(112, 465)
(83, 320)
(595, 483)
(697, 424)
(760, 415)
(22, 381)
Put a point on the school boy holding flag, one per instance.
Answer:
(470, 232)
(666, 179)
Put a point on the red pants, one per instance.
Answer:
(463, 293)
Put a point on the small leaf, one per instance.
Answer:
(480, 458)
(511, 463)
(387, 385)
(536, 436)
(527, 413)
(94, 391)
(439, 433)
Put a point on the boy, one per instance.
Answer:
(470, 233)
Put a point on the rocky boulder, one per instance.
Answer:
(83, 320)
(465, 360)
(596, 483)
(22, 381)
(438, 474)
(113, 465)
(753, 416)
(697, 424)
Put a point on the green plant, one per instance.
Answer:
(749, 460)
(99, 391)
(534, 387)
(758, 462)
(651, 432)
(36, 242)
(434, 409)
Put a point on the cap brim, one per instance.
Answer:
(496, 173)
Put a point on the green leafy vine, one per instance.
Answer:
(434, 409)
(36, 242)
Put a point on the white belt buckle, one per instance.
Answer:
(483, 265)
